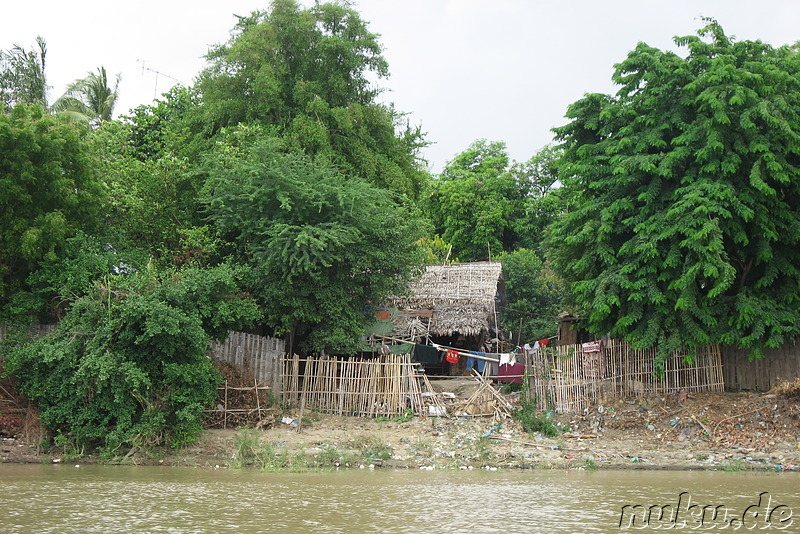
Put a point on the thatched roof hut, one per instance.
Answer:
(449, 299)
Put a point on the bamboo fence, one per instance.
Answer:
(384, 386)
(632, 371)
(568, 380)
(744, 373)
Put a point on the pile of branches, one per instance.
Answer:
(241, 401)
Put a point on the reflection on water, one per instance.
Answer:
(61, 498)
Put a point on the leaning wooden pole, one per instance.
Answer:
(306, 375)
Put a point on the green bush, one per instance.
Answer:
(535, 422)
(128, 365)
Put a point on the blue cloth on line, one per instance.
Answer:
(471, 361)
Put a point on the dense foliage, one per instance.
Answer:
(48, 191)
(534, 296)
(321, 244)
(304, 73)
(476, 202)
(683, 226)
(128, 365)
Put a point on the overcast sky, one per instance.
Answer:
(504, 70)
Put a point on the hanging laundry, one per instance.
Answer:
(481, 363)
(426, 354)
(508, 358)
(511, 373)
(544, 342)
(452, 356)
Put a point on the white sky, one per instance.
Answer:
(503, 70)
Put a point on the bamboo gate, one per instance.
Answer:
(568, 379)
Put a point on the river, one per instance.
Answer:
(113, 499)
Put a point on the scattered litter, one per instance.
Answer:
(437, 411)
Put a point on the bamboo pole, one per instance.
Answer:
(258, 401)
(303, 396)
(225, 408)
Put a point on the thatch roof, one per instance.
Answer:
(458, 297)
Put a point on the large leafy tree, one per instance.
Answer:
(152, 203)
(476, 202)
(321, 244)
(305, 73)
(48, 191)
(172, 127)
(22, 75)
(684, 186)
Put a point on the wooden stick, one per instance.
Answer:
(258, 401)
(225, 407)
(305, 390)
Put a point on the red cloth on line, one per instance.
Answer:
(544, 342)
(452, 356)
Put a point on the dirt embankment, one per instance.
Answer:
(723, 431)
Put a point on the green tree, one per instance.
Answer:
(48, 191)
(540, 171)
(534, 296)
(683, 226)
(171, 127)
(153, 204)
(544, 200)
(305, 74)
(22, 75)
(90, 99)
(321, 244)
(476, 202)
(128, 365)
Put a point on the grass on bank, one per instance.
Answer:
(251, 452)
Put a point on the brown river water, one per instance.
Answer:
(111, 499)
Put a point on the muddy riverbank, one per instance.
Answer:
(699, 431)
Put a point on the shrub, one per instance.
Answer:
(128, 365)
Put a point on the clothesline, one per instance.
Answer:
(502, 357)
(470, 354)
